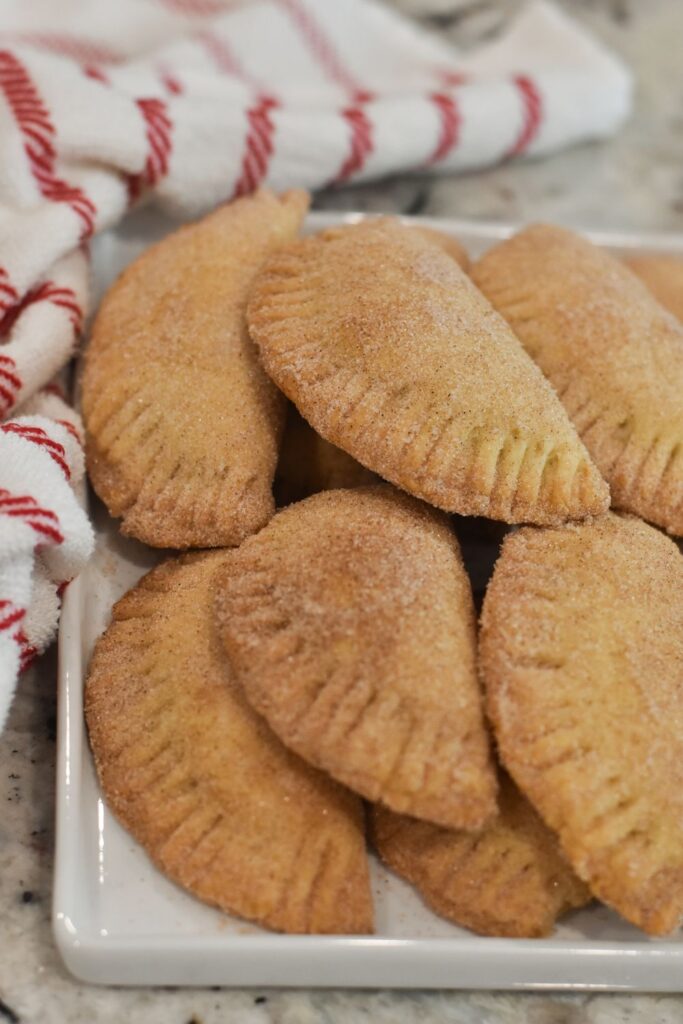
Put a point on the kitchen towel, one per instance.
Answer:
(45, 536)
(106, 103)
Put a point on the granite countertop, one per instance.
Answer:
(634, 181)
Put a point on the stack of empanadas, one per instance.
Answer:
(245, 701)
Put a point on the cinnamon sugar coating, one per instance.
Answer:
(183, 425)
(349, 623)
(446, 242)
(613, 354)
(581, 654)
(509, 880)
(663, 276)
(200, 781)
(389, 351)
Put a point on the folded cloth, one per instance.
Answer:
(45, 536)
(104, 103)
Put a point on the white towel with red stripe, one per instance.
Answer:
(45, 536)
(106, 102)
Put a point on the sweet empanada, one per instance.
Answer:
(390, 352)
(201, 782)
(183, 425)
(582, 659)
(663, 276)
(446, 242)
(349, 622)
(613, 354)
(309, 464)
(510, 879)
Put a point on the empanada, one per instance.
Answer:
(201, 782)
(309, 464)
(349, 623)
(582, 658)
(183, 426)
(390, 352)
(613, 354)
(510, 879)
(663, 276)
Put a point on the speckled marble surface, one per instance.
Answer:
(632, 182)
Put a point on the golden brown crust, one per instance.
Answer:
(200, 781)
(183, 425)
(613, 354)
(663, 276)
(510, 879)
(350, 625)
(582, 656)
(446, 242)
(391, 353)
(309, 464)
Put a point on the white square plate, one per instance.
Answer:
(117, 920)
